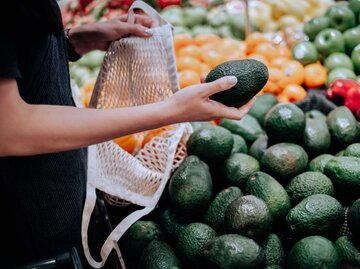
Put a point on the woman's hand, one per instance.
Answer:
(97, 36)
(193, 103)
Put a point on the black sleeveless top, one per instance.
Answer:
(41, 197)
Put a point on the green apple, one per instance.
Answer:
(355, 57)
(351, 38)
(315, 25)
(341, 3)
(339, 72)
(341, 17)
(224, 31)
(173, 15)
(238, 25)
(354, 5)
(180, 30)
(202, 29)
(329, 41)
(194, 16)
(338, 59)
(92, 59)
(305, 52)
(217, 18)
(358, 78)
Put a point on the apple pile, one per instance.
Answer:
(334, 40)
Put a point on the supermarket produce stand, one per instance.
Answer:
(197, 38)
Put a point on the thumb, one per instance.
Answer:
(139, 30)
(221, 84)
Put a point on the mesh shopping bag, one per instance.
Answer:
(135, 71)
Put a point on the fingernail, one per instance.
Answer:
(232, 80)
(148, 31)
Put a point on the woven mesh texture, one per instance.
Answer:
(137, 71)
(133, 74)
(345, 230)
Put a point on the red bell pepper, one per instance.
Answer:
(352, 99)
(340, 88)
(84, 3)
(165, 3)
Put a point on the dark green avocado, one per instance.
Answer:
(252, 75)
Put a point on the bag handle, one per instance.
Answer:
(139, 4)
(112, 240)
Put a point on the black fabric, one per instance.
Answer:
(41, 197)
(316, 99)
(72, 54)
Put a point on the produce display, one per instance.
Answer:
(334, 40)
(235, 202)
(229, 19)
(208, 33)
(279, 188)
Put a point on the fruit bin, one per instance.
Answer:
(245, 180)
(205, 36)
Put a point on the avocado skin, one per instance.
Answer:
(252, 76)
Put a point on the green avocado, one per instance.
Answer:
(190, 187)
(349, 253)
(318, 214)
(158, 255)
(309, 183)
(317, 138)
(313, 252)
(211, 143)
(344, 128)
(248, 128)
(215, 213)
(262, 105)
(274, 251)
(251, 74)
(271, 191)
(344, 171)
(354, 220)
(249, 216)
(192, 241)
(232, 251)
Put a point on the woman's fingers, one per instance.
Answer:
(236, 113)
(139, 19)
(138, 30)
(218, 85)
(144, 21)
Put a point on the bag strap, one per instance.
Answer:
(112, 240)
(138, 4)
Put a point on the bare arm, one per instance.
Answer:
(35, 129)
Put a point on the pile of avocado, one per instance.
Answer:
(279, 188)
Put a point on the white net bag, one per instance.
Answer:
(135, 71)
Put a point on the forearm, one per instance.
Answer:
(34, 129)
(37, 129)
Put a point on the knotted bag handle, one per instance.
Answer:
(152, 13)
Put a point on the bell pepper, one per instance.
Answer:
(84, 3)
(348, 91)
(340, 88)
(352, 99)
(165, 3)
